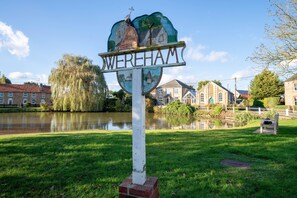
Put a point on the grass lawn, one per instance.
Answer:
(187, 163)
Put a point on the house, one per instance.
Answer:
(175, 90)
(242, 94)
(291, 91)
(17, 95)
(212, 93)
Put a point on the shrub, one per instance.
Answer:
(44, 106)
(28, 104)
(258, 103)
(176, 107)
(271, 102)
(245, 117)
(270, 114)
(157, 109)
(217, 110)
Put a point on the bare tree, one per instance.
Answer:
(281, 50)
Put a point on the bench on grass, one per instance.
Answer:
(270, 124)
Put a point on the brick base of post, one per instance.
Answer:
(149, 189)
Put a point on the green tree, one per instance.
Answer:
(77, 85)
(280, 50)
(266, 84)
(204, 82)
(4, 80)
(30, 83)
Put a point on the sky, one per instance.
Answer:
(220, 35)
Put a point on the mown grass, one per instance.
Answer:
(187, 163)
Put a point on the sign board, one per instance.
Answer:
(149, 42)
(137, 51)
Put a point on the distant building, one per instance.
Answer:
(291, 91)
(212, 93)
(242, 94)
(175, 90)
(13, 94)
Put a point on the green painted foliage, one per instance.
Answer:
(77, 85)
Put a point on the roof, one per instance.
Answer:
(25, 88)
(218, 86)
(243, 92)
(176, 83)
(294, 77)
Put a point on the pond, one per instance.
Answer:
(12, 123)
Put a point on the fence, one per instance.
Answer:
(256, 110)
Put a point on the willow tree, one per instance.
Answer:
(77, 85)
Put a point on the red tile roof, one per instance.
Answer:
(25, 88)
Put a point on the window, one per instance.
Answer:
(43, 95)
(202, 97)
(176, 90)
(295, 86)
(42, 101)
(220, 97)
(33, 95)
(33, 101)
(25, 95)
(296, 101)
(25, 101)
(1, 100)
(10, 94)
(1, 94)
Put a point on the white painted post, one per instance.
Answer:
(246, 109)
(259, 111)
(233, 109)
(138, 127)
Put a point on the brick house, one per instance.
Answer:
(212, 93)
(175, 90)
(291, 91)
(13, 94)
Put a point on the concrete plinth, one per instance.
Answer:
(149, 189)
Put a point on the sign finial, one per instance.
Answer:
(131, 10)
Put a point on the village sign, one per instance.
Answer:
(138, 50)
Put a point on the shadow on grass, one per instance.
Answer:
(186, 163)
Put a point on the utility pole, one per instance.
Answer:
(235, 88)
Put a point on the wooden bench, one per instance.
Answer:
(270, 124)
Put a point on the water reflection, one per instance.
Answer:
(52, 122)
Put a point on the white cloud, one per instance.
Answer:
(179, 74)
(186, 39)
(20, 75)
(248, 72)
(28, 77)
(17, 43)
(197, 53)
(42, 78)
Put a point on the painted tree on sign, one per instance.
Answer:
(266, 84)
(77, 85)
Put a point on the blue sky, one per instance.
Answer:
(220, 35)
